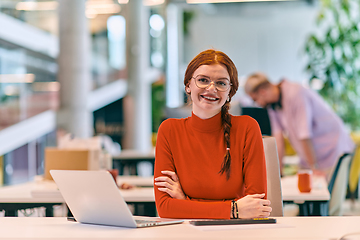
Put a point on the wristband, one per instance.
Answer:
(232, 208)
(235, 211)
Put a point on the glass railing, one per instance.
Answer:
(27, 84)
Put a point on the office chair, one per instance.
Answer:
(354, 173)
(273, 176)
(338, 185)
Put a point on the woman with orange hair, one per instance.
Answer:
(210, 165)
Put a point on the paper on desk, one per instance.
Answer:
(45, 193)
(241, 227)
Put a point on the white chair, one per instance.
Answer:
(273, 176)
(338, 185)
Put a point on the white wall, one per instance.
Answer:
(266, 37)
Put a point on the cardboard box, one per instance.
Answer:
(70, 159)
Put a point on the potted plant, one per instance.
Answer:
(334, 57)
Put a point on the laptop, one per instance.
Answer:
(93, 197)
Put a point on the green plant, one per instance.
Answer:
(187, 18)
(157, 103)
(334, 57)
(3, 97)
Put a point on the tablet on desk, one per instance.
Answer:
(232, 221)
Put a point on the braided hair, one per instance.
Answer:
(211, 57)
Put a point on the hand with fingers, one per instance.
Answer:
(254, 206)
(170, 184)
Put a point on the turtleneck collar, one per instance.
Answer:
(206, 125)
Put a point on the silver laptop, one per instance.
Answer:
(93, 197)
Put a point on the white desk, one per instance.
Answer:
(19, 196)
(290, 191)
(314, 203)
(46, 192)
(312, 228)
(136, 180)
(134, 154)
(40, 193)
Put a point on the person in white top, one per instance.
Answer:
(316, 133)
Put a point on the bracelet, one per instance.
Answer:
(237, 211)
(234, 206)
(232, 209)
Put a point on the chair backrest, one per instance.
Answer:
(338, 185)
(273, 176)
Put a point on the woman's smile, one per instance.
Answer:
(209, 97)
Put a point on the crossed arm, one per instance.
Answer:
(250, 206)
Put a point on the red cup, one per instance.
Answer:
(305, 180)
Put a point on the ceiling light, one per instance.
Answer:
(46, 86)
(17, 78)
(230, 1)
(96, 3)
(153, 2)
(145, 2)
(37, 6)
(93, 8)
(157, 22)
(105, 8)
(90, 13)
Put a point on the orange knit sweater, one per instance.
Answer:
(194, 148)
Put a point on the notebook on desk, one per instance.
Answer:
(93, 197)
(205, 222)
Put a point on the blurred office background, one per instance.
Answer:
(116, 67)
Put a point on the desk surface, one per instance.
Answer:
(285, 228)
(290, 191)
(45, 191)
(134, 155)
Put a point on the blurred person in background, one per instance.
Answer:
(316, 133)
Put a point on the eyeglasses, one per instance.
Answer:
(221, 85)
